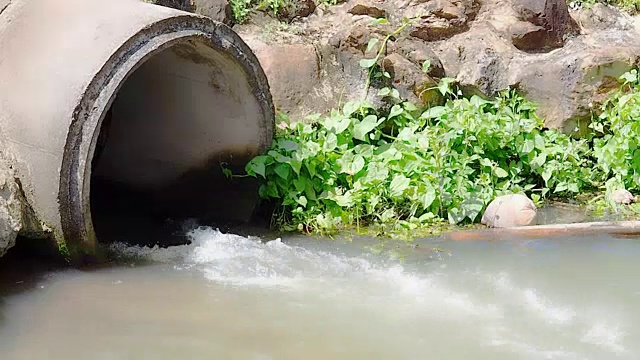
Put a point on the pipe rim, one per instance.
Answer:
(75, 177)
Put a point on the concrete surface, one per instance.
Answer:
(187, 93)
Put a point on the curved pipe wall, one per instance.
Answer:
(100, 99)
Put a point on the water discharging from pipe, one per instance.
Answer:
(226, 296)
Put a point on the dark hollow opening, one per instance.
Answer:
(180, 117)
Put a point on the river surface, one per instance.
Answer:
(231, 297)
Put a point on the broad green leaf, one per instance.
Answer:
(310, 192)
(302, 201)
(330, 142)
(357, 165)
(350, 107)
(300, 184)
(398, 185)
(367, 63)
(546, 175)
(283, 170)
(372, 44)
(538, 161)
(361, 129)
(257, 165)
(288, 145)
(455, 216)
(433, 112)
(387, 215)
(339, 125)
(477, 101)
(296, 164)
(385, 91)
(630, 77)
(395, 111)
(445, 85)
(426, 66)
(486, 162)
(311, 168)
(409, 106)
(527, 147)
(500, 172)
(428, 197)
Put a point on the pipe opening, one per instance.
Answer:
(177, 118)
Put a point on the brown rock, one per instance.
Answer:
(601, 17)
(569, 84)
(622, 196)
(295, 9)
(509, 211)
(292, 71)
(218, 10)
(479, 60)
(442, 19)
(411, 82)
(418, 52)
(370, 8)
(551, 22)
(527, 36)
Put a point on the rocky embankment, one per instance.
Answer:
(565, 60)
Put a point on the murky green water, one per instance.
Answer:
(229, 297)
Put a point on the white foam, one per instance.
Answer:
(606, 336)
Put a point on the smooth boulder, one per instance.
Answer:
(623, 197)
(509, 211)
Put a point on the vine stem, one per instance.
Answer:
(383, 47)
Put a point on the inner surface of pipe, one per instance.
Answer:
(178, 119)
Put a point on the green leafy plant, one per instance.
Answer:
(372, 65)
(240, 10)
(617, 150)
(407, 168)
(632, 6)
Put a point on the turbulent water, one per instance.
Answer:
(231, 297)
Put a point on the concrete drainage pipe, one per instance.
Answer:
(118, 107)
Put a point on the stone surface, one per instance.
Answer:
(567, 67)
(527, 36)
(569, 83)
(442, 19)
(601, 17)
(296, 9)
(622, 196)
(509, 211)
(418, 52)
(10, 205)
(218, 10)
(372, 8)
(293, 74)
(411, 82)
(550, 20)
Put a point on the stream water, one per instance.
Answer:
(231, 297)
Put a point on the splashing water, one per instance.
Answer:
(231, 297)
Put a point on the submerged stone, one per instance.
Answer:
(622, 196)
(509, 211)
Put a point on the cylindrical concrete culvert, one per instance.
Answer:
(114, 109)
